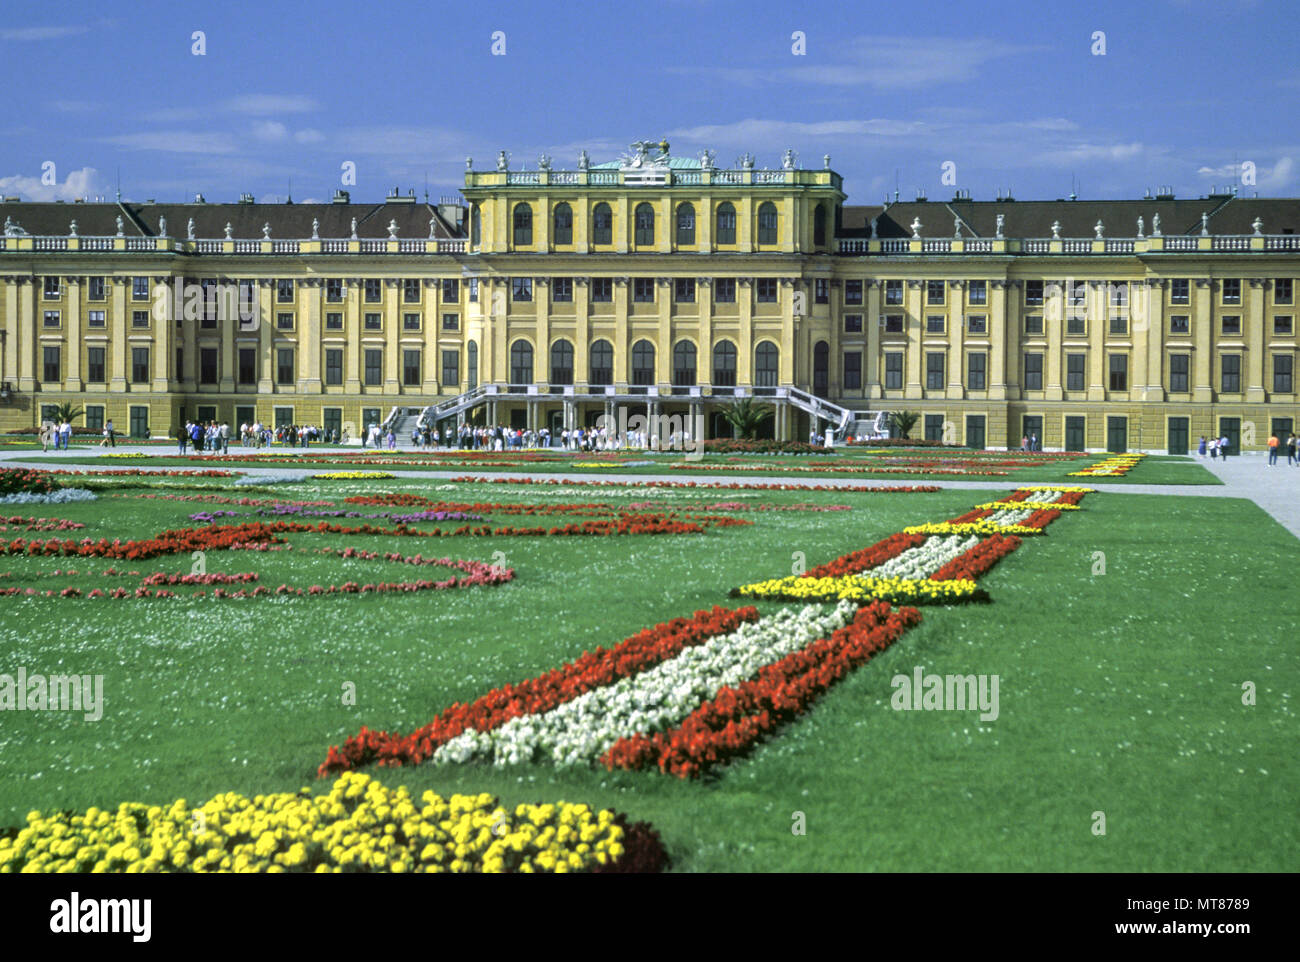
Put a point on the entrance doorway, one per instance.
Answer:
(1178, 431)
(975, 431)
(1075, 434)
(1116, 435)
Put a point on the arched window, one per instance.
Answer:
(563, 233)
(602, 363)
(819, 226)
(765, 364)
(767, 222)
(475, 226)
(685, 225)
(521, 362)
(602, 225)
(471, 365)
(561, 362)
(684, 364)
(643, 362)
(523, 225)
(645, 224)
(821, 367)
(726, 232)
(724, 364)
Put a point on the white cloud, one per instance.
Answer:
(178, 142)
(270, 130)
(308, 136)
(42, 33)
(78, 183)
(259, 105)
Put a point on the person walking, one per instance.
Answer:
(183, 437)
(1214, 449)
(1203, 446)
(1291, 449)
(1223, 448)
(65, 431)
(1272, 449)
(47, 432)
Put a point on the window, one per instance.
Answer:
(410, 321)
(643, 363)
(1180, 291)
(602, 225)
(373, 321)
(247, 364)
(643, 290)
(685, 225)
(1179, 367)
(724, 290)
(139, 365)
(284, 290)
(563, 230)
(1232, 290)
(1231, 324)
(521, 289)
(95, 365)
(331, 420)
(819, 226)
(1230, 368)
(1282, 364)
(473, 290)
(475, 226)
(1077, 294)
(1033, 293)
(935, 292)
(934, 427)
(451, 290)
(853, 323)
(1179, 324)
(602, 289)
(334, 321)
(684, 364)
(724, 364)
(284, 321)
(521, 362)
(934, 324)
(978, 292)
(52, 288)
(1119, 372)
(373, 291)
(893, 292)
(934, 370)
(94, 418)
(52, 319)
(976, 367)
(523, 221)
(1282, 290)
(1033, 372)
(1118, 293)
(684, 292)
(821, 290)
(411, 368)
(1033, 324)
(411, 291)
(1119, 325)
(852, 370)
(562, 290)
(95, 289)
(284, 365)
(853, 292)
(1076, 325)
(726, 228)
(766, 359)
(977, 324)
(1074, 371)
(767, 222)
(50, 356)
(561, 362)
(96, 318)
(450, 367)
(767, 290)
(1284, 325)
(333, 366)
(893, 323)
(893, 370)
(208, 361)
(644, 219)
(451, 322)
(139, 288)
(374, 366)
(334, 289)
(602, 363)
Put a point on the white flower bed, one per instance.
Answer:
(1019, 517)
(61, 496)
(581, 730)
(925, 559)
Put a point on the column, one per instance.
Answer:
(913, 324)
(228, 330)
(121, 320)
(745, 349)
(1054, 328)
(265, 349)
(352, 359)
(581, 332)
(956, 338)
(163, 348)
(622, 363)
(25, 331)
(664, 353)
(871, 323)
(1153, 302)
(309, 343)
(1256, 358)
(788, 370)
(1000, 333)
(392, 329)
(704, 309)
(1202, 321)
(1098, 362)
(75, 342)
(542, 332)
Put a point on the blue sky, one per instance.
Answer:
(1011, 93)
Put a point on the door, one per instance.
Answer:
(1116, 435)
(1230, 428)
(1075, 439)
(1178, 430)
(139, 421)
(821, 368)
(1032, 428)
(245, 414)
(975, 431)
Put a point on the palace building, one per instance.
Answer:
(662, 285)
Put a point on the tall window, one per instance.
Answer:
(643, 363)
(1232, 290)
(1074, 371)
(411, 368)
(602, 363)
(853, 291)
(563, 230)
(1282, 290)
(139, 288)
(561, 362)
(724, 290)
(602, 289)
(95, 365)
(334, 366)
(643, 290)
(334, 289)
(139, 365)
(1179, 366)
(685, 290)
(1033, 293)
(451, 290)
(247, 365)
(819, 227)
(935, 292)
(724, 364)
(561, 290)
(602, 224)
(1033, 372)
(1180, 290)
(284, 365)
(684, 364)
(822, 290)
(893, 292)
(471, 366)
(523, 225)
(374, 366)
(645, 224)
(52, 289)
(852, 369)
(934, 370)
(765, 289)
(726, 227)
(95, 289)
(767, 222)
(411, 290)
(978, 292)
(475, 226)
(1282, 367)
(1119, 372)
(976, 365)
(521, 289)
(374, 291)
(284, 290)
(766, 358)
(685, 225)
(1230, 368)
(894, 370)
(451, 366)
(521, 362)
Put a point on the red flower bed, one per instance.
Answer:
(143, 473)
(26, 481)
(739, 716)
(865, 558)
(976, 561)
(723, 485)
(39, 524)
(593, 669)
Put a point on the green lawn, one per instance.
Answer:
(1119, 692)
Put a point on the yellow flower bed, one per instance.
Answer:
(353, 476)
(1115, 464)
(131, 455)
(360, 826)
(1026, 505)
(896, 591)
(982, 527)
(1058, 487)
